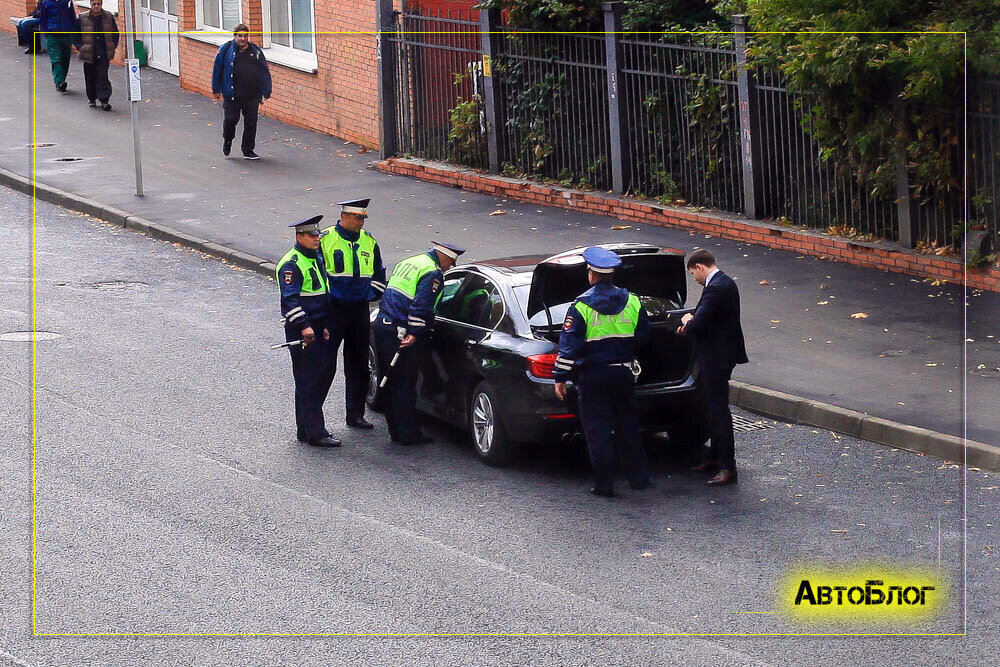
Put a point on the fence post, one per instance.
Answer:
(907, 231)
(750, 129)
(618, 125)
(489, 21)
(385, 57)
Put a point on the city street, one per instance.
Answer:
(903, 361)
(172, 497)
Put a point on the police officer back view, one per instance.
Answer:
(357, 276)
(302, 279)
(406, 312)
(603, 329)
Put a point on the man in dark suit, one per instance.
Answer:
(717, 339)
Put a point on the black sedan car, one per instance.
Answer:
(494, 341)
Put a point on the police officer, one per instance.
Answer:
(304, 304)
(357, 276)
(407, 310)
(603, 329)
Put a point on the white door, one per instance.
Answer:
(158, 21)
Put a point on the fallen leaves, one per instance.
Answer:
(619, 227)
(499, 211)
(764, 282)
(822, 303)
(838, 531)
(646, 554)
(859, 316)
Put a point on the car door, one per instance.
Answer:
(433, 378)
(461, 323)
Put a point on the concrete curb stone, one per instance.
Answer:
(768, 402)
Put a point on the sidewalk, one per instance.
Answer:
(903, 362)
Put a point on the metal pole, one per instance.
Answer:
(489, 20)
(754, 205)
(618, 119)
(389, 79)
(134, 104)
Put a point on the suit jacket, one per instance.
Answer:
(715, 329)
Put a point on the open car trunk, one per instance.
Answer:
(657, 276)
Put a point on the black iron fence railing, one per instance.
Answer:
(682, 119)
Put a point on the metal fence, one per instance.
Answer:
(677, 119)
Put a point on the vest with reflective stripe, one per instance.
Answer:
(618, 325)
(309, 268)
(408, 273)
(366, 254)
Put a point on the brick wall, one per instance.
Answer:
(340, 99)
(874, 255)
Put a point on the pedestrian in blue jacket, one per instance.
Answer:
(241, 81)
(56, 21)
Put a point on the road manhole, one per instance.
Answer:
(28, 336)
(70, 159)
(742, 424)
(40, 144)
(893, 353)
(119, 285)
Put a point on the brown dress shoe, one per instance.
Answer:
(722, 478)
(708, 468)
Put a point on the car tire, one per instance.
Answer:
(374, 395)
(489, 437)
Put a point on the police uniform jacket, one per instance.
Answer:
(411, 292)
(600, 301)
(302, 268)
(354, 264)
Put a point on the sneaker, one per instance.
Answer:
(227, 145)
(106, 106)
(250, 155)
(93, 104)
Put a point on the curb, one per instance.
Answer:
(789, 408)
(766, 402)
(135, 223)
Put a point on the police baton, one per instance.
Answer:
(392, 364)
(291, 343)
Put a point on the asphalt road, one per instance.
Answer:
(172, 497)
(903, 362)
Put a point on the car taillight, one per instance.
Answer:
(541, 365)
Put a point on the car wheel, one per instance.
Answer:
(373, 397)
(488, 433)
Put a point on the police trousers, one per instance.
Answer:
(348, 323)
(400, 399)
(610, 416)
(313, 370)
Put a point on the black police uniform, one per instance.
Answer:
(605, 384)
(312, 365)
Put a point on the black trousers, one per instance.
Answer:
(401, 388)
(231, 110)
(610, 416)
(95, 77)
(715, 394)
(313, 369)
(349, 324)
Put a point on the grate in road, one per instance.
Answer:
(743, 424)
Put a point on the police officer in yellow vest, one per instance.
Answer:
(301, 277)
(406, 312)
(602, 332)
(357, 277)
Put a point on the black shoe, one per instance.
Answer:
(61, 87)
(29, 50)
(602, 493)
(227, 145)
(360, 422)
(106, 106)
(250, 155)
(325, 442)
(723, 478)
(92, 104)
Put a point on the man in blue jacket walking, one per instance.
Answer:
(241, 80)
(56, 19)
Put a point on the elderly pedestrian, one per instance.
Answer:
(57, 20)
(241, 81)
(96, 38)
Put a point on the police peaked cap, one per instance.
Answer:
(355, 206)
(600, 260)
(308, 225)
(448, 249)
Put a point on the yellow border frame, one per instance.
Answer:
(965, 461)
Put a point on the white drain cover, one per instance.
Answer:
(28, 336)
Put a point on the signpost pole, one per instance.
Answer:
(134, 93)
